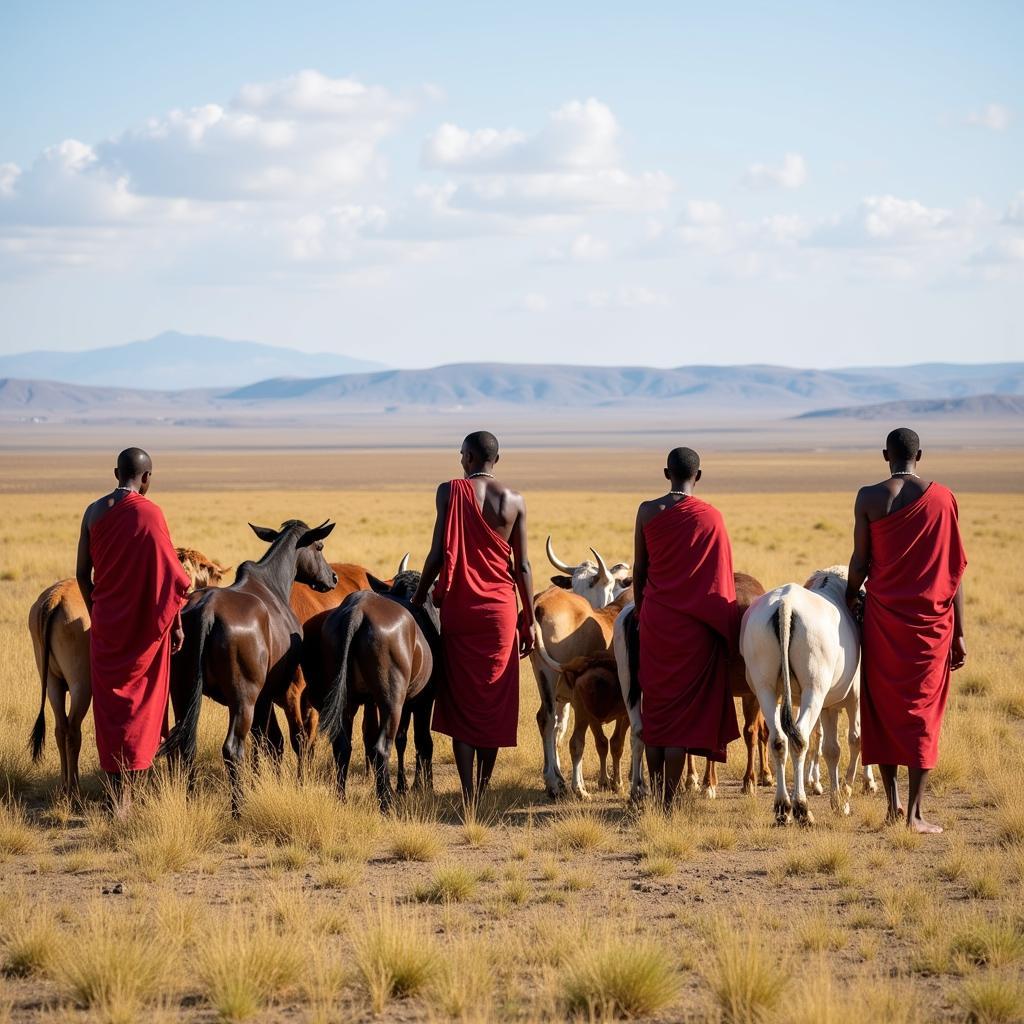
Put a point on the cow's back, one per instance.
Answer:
(59, 617)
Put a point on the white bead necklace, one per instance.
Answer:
(472, 476)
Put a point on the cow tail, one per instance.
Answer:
(784, 629)
(183, 738)
(332, 712)
(38, 737)
(542, 652)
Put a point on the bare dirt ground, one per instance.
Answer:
(305, 909)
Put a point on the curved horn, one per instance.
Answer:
(603, 575)
(403, 565)
(557, 562)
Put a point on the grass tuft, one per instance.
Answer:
(16, 834)
(577, 832)
(452, 883)
(746, 983)
(993, 999)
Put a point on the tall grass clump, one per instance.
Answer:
(165, 828)
(615, 976)
(395, 956)
(746, 982)
(278, 809)
(577, 832)
(414, 836)
(29, 939)
(452, 883)
(17, 836)
(115, 965)
(993, 999)
(463, 985)
(245, 963)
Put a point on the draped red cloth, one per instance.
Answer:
(478, 701)
(917, 562)
(689, 622)
(139, 588)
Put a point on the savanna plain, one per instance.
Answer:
(306, 909)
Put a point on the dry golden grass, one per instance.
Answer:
(847, 901)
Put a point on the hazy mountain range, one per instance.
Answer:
(689, 392)
(173, 360)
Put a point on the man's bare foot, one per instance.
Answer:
(922, 827)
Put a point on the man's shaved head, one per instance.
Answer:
(683, 464)
(902, 444)
(132, 463)
(483, 444)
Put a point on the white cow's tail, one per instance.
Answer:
(783, 622)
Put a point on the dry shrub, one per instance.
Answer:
(30, 939)
(746, 982)
(165, 828)
(413, 837)
(19, 775)
(244, 963)
(992, 998)
(452, 883)
(16, 834)
(577, 831)
(278, 809)
(516, 891)
(115, 964)
(395, 955)
(996, 941)
(664, 835)
(614, 975)
(463, 985)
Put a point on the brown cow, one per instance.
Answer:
(59, 624)
(591, 685)
(567, 627)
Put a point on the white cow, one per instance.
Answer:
(595, 581)
(807, 635)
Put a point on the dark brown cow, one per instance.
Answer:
(243, 644)
(59, 624)
(591, 685)
(374, 650)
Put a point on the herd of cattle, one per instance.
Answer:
(320, 640)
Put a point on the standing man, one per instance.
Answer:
(478, 557)
(906, 542)
(685, 597)
(134, 586)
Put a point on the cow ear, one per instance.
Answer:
(378, 586)
(565, 582)
(265, 533)
(318, 533)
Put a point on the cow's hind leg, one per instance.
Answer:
(779, 747)
(601, 743)
(618, 742)
(424, 743)
(401, 741)
(342, 750)
(240, 716)
(813, 760)
(547, 725)
(709, 787)
(390, 719)
(81, 697)
(751, 722)
(577, 744)
(763, 753)
(690, 782)
(838, 798)
(56, 695)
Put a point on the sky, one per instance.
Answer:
(808, 184)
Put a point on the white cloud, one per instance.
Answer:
(584, 248)
(625, 297)
(579, 135)
(994, 116)
(885, 220)
(999, 253)
(534, 302)
(791, 173)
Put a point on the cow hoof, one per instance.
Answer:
(817, 789)
(802, 813)
(582, 794)
(691, 783)
(767, 779)
(709, 793)
(605, 784)
(871, 787)
(749, 785)
(556, 788)
(638, 794)
(783, 812)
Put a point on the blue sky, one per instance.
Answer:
(825, 184)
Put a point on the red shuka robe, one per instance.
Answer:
(139, 588)
(688, 624)
(478, 702)
(917, 562)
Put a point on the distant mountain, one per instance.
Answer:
(973, 407)
(173, 360)
(721, 394)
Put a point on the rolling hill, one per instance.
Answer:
(173, 360)
(973, 407)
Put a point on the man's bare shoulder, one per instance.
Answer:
(647, 510)
(96, 509)
(511, 499)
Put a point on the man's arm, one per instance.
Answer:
(861, 557)
(83, 568)
(524, 581)
(435, 557)
(958, 654)
(639, 560)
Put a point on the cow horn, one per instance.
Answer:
(557, 562)
(404, 563)
(602, 570)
